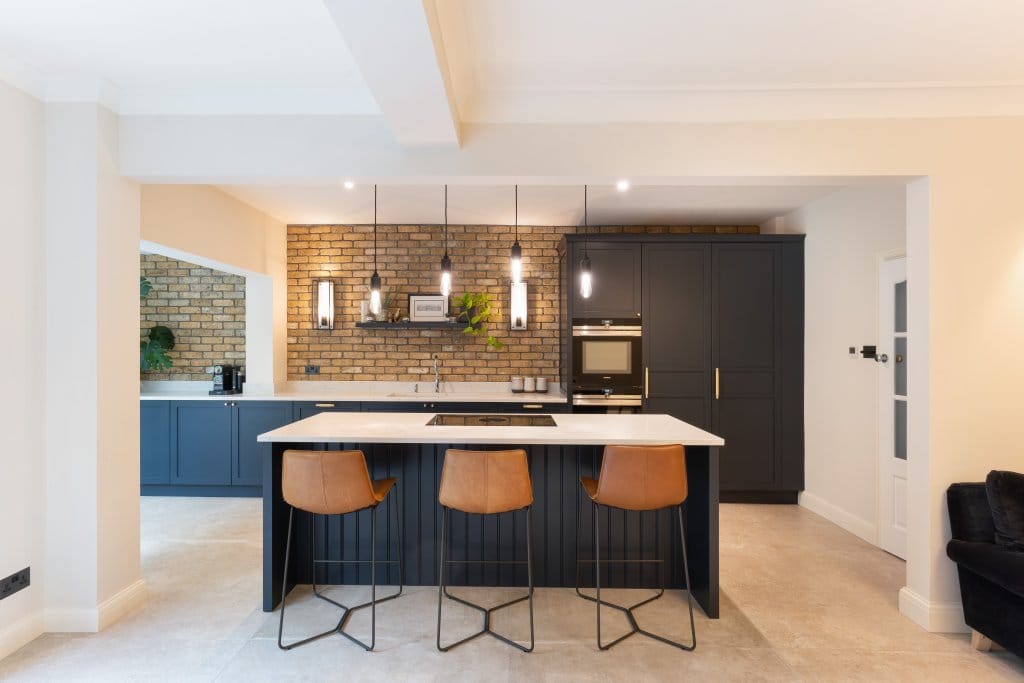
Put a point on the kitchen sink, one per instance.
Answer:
(490, 420)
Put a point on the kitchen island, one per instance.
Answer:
(405, 446)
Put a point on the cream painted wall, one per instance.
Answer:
(92, 413)
(21, 404)
(967, 255)
(117, 318)
(847, 234)
(203, 224)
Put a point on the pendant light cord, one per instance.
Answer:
(517, 215)
(586, 223)
(446, 219)
(375, 227)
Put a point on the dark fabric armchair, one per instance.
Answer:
(991, 575)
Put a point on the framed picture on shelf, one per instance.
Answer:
(428, 308)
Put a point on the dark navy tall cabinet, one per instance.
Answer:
(723, 322)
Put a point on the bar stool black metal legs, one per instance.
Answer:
(628, 610)
(308, 481)
(486, 611)
(486, 483)
(638, 478)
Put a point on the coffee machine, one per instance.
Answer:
(227, 380)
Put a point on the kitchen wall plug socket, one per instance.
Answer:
(312, 369)
(15, 582)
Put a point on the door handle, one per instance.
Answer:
(324, 405)
(647, 383)
(718, 384)
(532, 406)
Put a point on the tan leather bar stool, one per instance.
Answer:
(636, 478)
(337, 483)
(486, 483)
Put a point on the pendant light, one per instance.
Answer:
(446, 263)
(375, 278)
(516, 253)
(586, 283)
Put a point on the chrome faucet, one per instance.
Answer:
(437, 377)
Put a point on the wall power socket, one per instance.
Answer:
(15, 582)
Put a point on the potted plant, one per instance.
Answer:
(153, 349)
(475, 310)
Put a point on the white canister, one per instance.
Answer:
(529, 385)
(517, 384)
(542, 384)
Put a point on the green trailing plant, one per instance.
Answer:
(154, 347)
(476, 311)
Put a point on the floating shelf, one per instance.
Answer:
(418, 325)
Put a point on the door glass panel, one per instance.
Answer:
(900, 429)
(900, 366)
(900, 323)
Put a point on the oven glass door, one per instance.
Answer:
(607, 363)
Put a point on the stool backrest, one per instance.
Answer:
(485, 482)
(642, 477)
(326, 482)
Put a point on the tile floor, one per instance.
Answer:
(802, 601)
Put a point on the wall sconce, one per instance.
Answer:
(517, 318)
(324, 319)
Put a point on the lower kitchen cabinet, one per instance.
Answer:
(201, 440)
(209, 448)
(253, 418)
(303, 409)
(206, 448)
(155, 446)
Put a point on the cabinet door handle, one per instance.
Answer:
(324, 405)
(647, 383)
(532, 406)
(718, 386)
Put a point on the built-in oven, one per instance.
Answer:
(607, 364)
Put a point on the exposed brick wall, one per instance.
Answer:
(204, 308)
(408, 261)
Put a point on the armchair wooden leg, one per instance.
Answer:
(980, 642)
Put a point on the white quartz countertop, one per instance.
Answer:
(571, 429)
(341, 392)
(342, 397)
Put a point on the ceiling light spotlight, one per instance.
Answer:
(622, 185)
(349, 184)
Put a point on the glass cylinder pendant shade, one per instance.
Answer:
(586, 284)
(375, 294)
(446, 275)
(324, 319)
(516, 262)
(517, 316)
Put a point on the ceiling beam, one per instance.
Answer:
(397, 45)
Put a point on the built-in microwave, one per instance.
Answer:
(607, 363)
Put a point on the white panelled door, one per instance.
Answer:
(892, 418)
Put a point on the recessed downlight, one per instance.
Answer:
(348, 184)
(622, 185)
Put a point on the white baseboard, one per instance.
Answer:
(91, 620)
(936, 617)
(124, 601)
(857, 526)
(20, 633)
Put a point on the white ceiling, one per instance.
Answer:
(538, 204)
(185, 56)
(570, 61)
(577, 60)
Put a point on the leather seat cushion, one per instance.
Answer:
(485, 482)
(329, 482)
